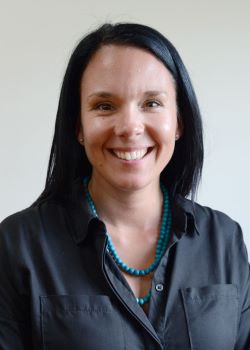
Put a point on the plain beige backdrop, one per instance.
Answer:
(213, 38)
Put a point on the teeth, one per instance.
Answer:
(131, 155)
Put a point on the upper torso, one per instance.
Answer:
(61, 287)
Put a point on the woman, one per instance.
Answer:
(112, 254)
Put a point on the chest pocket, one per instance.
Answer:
(212, 316)
(80, 322)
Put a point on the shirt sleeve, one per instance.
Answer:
(242, 264)
(13, 333)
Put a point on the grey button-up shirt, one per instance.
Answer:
(60, 288)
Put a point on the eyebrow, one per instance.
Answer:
(105, 94)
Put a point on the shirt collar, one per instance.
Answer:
(81, 217)
(184, 216)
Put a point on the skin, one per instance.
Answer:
(128, 104)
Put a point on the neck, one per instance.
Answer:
(132, 210)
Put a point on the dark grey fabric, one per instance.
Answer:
(60, 289)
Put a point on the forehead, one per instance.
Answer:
(116, 65)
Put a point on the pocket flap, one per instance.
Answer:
(211, 291)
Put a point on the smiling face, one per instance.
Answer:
(128, 117)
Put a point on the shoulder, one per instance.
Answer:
(211, 222)
(29, 221)
(214, 218)
(218, 236)
(19, 218)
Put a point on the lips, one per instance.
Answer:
(131, 155)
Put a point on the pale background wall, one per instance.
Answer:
(212, 37)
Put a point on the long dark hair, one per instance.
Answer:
(68, 160)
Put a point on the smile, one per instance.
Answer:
(134, 155)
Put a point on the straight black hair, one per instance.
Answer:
(68, 160)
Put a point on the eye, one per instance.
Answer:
(152, 104)
(104, 107)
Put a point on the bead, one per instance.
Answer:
(161, 244)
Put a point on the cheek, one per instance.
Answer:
(93, 147)
(165, 131)
(91, 137)
(95, 132)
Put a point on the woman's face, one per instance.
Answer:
(128, 116)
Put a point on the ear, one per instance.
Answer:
(179, 129)
(79, 132)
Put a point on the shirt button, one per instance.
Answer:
(159, 287)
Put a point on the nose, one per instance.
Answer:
(129, 123)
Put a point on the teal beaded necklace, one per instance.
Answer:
(161, 245)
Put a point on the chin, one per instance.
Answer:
(131, 184)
